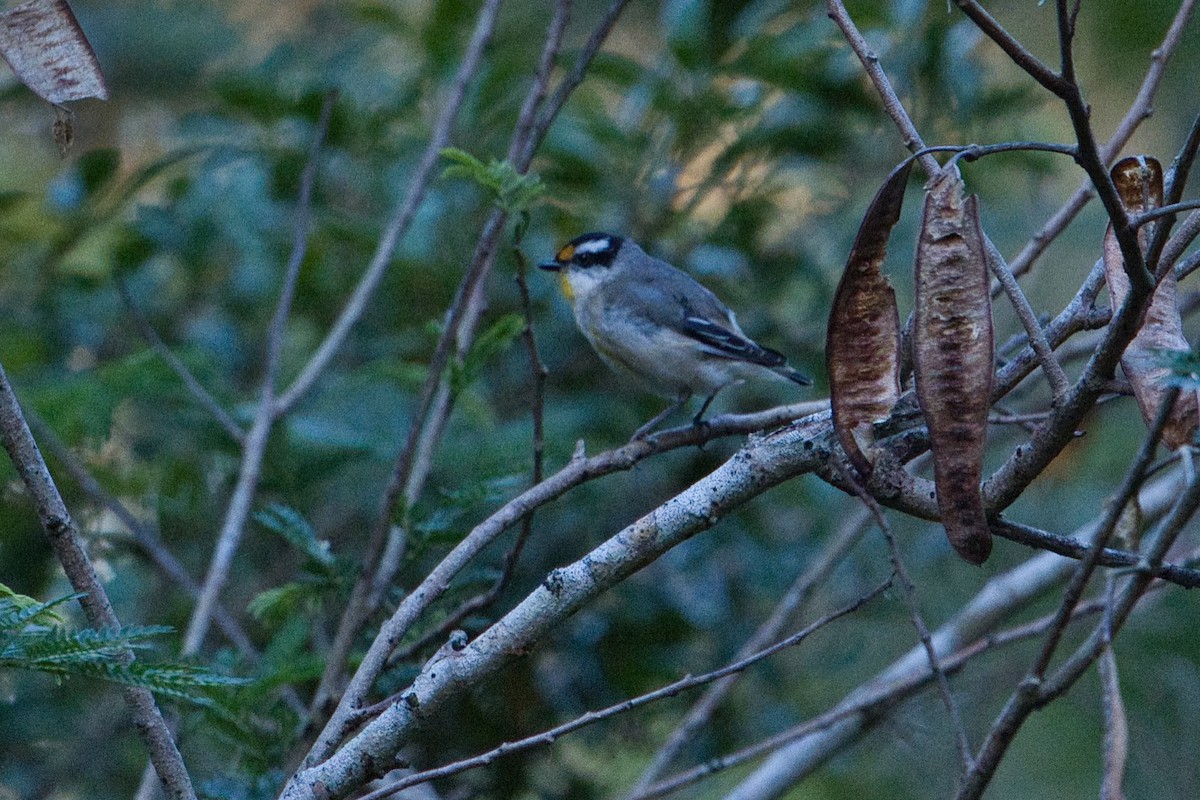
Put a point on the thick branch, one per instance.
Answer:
(69, 549)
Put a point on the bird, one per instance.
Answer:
(656, 326)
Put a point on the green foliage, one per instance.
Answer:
(27, 643)
(325, 576)
(513, 191)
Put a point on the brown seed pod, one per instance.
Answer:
(862, 342)
(953, 358)
(1139, 181)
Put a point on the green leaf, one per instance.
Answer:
(18, 609)
(494, 340)
(279, 602)
(513, 191)
(295, 530)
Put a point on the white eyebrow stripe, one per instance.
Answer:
(594, 246)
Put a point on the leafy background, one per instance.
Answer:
(737, 139)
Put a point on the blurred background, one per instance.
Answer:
(739, 140)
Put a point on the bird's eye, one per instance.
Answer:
(590, 259)
(592, 252)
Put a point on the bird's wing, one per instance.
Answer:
(690, 309)
(723, 342)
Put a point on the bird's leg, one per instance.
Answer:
(676, 404)
(698, 420)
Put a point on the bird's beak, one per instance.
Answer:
(551, 266)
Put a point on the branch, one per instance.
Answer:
(1116, 728)
(801, 590)
(401, 218)
(998, 599)
(145, 537)
(758, 466)
(1028, 694)
(255, 445)
(1138, 112)
(577, 471)
(194, 387)
(670, 690)
(883, 85)
(871, 705)
(69, 548)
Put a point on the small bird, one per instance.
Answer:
(656, 326)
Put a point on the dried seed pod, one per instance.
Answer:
(47, 50)
(1139, 181)
(953, 358)
(862, 342)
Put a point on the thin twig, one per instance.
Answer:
(69, 548)
(918, 620)
(883, 84)
(194, 387)
(1025, 698)
(848, 535)
(255, 445)
(1033, 328)
(144, 536)
(670, 690)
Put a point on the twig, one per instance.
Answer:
(401, 218)
(1028, 693)
(866, 707)
(197, 390)
(1184, 235)
(538, 374)
(670, 690)
(995, 602)
(433, 407)
(457, 323)
(883, 85)
(255, 445)
(69, 548)
(1033, 328)
(1138, 112)
(848, 535)
(918, 620)
(1012, 48)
